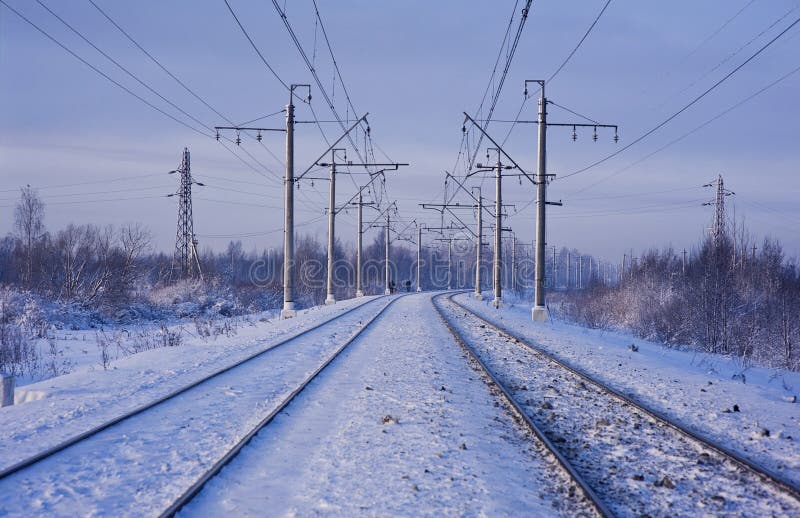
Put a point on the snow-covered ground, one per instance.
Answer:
(747, 409)
(58, 408)
(400, 424)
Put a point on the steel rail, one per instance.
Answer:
(588, 492)
(765, 474)
(34, 459)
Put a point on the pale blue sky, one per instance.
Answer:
(415, 66)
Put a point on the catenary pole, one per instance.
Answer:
(478, 249)
(387, 291)
(419, 257)
(288, 224)
(539, 310)
(498, 234)
(359, 244)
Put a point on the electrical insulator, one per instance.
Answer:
(217, 135)
(463, 128)
(258, 137)
(594, 136)
(238, 139)
(525, 93)
(616, 136)
(309, 98)
(574, 134)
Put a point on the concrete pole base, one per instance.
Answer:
(387, 292)
(419, 290)
(497, 303)
(539, 314)
(359, 293)
(330, 300)
(478, 295)
(288, 310)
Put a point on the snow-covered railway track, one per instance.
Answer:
(171, 446)
(635, 460)
(598, 505)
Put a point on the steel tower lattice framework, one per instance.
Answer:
(185, 257)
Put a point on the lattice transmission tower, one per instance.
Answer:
(718, 230)
(185, 261)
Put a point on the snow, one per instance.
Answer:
(697, 390)
(636, 464)
(400, 424)
(58, 408)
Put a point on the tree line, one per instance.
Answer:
(728, 296)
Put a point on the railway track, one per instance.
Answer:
(150, 437)
(632, 460)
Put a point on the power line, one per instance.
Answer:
(120, 85)
(156, 61)
(509, 58)
(252, 44)
(694, 130)
(92, 182)
(333, 58)
(185, 87)
(720, 29)
(103, 74)
(686, 107)
(121, 67)
(580, 42)
(733, 54)
(558, 70)
(114, 191)
(256, 234)
(317, 80)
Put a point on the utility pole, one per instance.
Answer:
(419, 257)
(580, 272)
(185, 257)
(449, 241)
(288, 212)
(449, 264)
(387, 291)
(288, 310)
(498, 289)
(568, 264)
(478, 234)
(539, 310)
(498, 234)
(513, 263)
(333, 211)
(331, 298)
(479, 248)
(359, 243)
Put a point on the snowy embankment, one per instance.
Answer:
(749, 410)
(61, 407)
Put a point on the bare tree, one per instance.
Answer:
(29, 224)
(136, 241)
